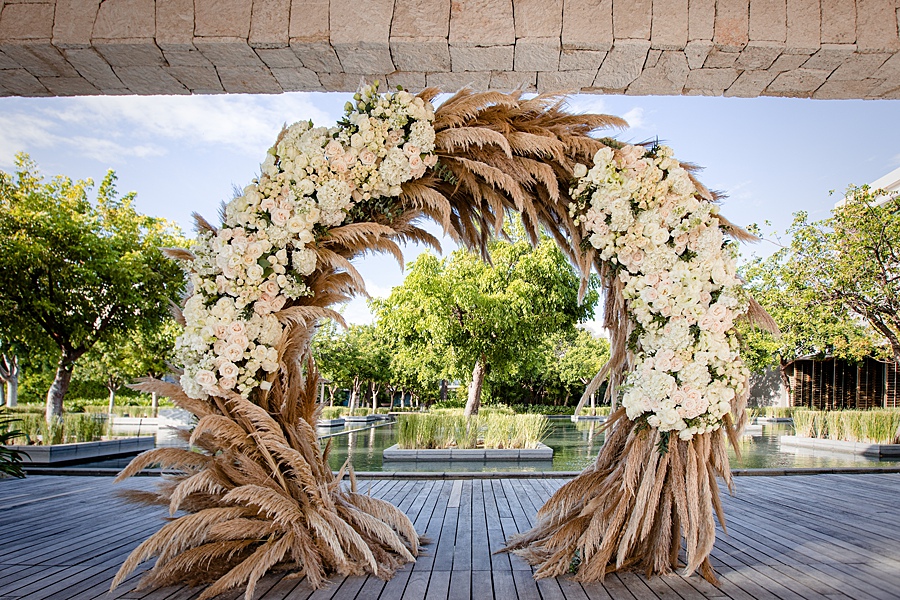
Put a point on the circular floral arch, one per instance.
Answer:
(260, 495)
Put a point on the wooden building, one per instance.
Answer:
(830, 383)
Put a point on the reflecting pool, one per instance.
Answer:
(575, 446)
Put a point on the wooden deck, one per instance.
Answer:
(808, 537)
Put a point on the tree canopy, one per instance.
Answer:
(485, 316)
(75, 271)
(833, 289)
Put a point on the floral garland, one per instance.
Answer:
(250, 268)
(642, 211)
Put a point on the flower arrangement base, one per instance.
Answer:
(632, 508)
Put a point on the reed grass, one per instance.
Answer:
(876, 426)
(334, 412)
(773, 412)
(66, 429)
(490, 429)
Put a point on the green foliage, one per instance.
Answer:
(76, 272)
(773, 412)
(788, 285)
(877, 426)
(450, 313)
(10, 458)
(356, 359)
(145, 350)
(489, 429)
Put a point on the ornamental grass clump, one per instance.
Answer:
(875, 426)
(514, 431)
(450, 429)
(79, 427)
(334, 412)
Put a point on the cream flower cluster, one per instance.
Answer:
(641, 210)
(257, 262)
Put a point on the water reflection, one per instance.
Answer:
(576, 445)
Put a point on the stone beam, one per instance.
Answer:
(800, 48)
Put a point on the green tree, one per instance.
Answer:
(144, 351)
(487, 317)
(77, 272)
(852, 260)
(576, 358)
(809, 325)
(355, 359)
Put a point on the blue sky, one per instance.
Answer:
(772, 156)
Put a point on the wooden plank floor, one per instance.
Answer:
(789, 538)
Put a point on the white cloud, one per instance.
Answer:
(635, 118)
(108, 151)
(113, 127)
(22, 132)
(19, 132)
(586, 103)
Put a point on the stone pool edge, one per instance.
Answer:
(393, 453)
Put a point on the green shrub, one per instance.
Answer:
(10, 459)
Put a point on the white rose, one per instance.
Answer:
(240, 340)
(233, 352)
(205, 378)
(255, 272)
(228, 369)
(280, 216)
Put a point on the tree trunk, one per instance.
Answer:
(112, 400)
(12, 391)
(154, 404)
(354, 393)
(474, 402)
(331, 392)
(9, 374)
(443, 390)
(58, 390)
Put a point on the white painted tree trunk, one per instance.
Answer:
(12, 391)
(9, 375)
(57, 392)
(474, 401)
